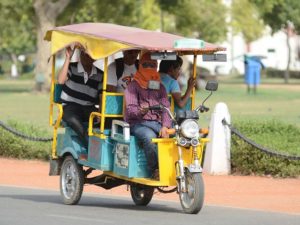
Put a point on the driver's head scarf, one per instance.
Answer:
(147, 70)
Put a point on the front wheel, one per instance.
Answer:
(192, 200)
(141, 195)
(71, 181)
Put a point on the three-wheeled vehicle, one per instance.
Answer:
(115, 151)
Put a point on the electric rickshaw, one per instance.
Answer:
(115, 152)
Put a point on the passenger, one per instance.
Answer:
(121, 71)
(169, 73)
(81, 92)
(146, 90)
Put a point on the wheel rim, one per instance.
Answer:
(139, 193)
(188, 197)
(69, 181)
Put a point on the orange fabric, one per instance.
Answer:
(147, 71)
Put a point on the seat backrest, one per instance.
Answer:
(175, 108)
(57, 92)
(188, 106)
(114, 105)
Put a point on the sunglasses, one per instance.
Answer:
(149, 65)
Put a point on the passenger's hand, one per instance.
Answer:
(69, 53)
(164, 132)
(191, 83)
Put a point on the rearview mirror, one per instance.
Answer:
(215, 58)
(163, 55)
(211, 85)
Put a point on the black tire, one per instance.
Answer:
(71, 181)
(141, 195)
(192, 200)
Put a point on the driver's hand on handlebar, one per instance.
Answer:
(164, 132)
(144, 110)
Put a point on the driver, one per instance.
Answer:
(146, 90)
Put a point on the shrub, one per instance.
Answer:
(274, 135)
(275, 73)
(17, 147)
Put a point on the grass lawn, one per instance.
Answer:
(272, 101)
(18, 102)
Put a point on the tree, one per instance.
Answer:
(138, 13)
(281, 15)
(202, 19)
(196, 18)
(46, 13)
(245, 19)
(167, 19)
(16, 30)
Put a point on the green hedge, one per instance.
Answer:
(274, 135)
(245, 159)
(275, 73)
(16, 147)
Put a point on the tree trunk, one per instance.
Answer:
(46, 13)
(248, 47)
(289, 31)
(14, 60)
(162, 22)
(43, 68)
(287, 71)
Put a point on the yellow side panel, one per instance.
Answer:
(167, 157)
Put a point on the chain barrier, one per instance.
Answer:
(19, 134)
(261, 148)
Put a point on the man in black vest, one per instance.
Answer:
(121, 71)
(82, 86)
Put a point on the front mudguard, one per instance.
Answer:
(181, 180)
(194, 168)
(55, 167)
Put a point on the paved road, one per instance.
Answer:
(251, 192)
(24, 206)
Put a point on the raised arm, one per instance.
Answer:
(63, 74)
(182, 100)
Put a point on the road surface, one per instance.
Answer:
(25, 206)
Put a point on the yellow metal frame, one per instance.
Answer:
(102, 115)
(57, 123)
(194, 76)
(90, 128)
(103, 102)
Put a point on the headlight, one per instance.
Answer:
(182, 141)
(190, 128)
(195, 142)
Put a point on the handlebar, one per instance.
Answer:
(203, 109)
(161, 107)
(156, 107)
(171, 131)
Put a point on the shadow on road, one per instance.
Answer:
(101, 202)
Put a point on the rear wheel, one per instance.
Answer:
(71, 181)
(141, 195)
(192, 200)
